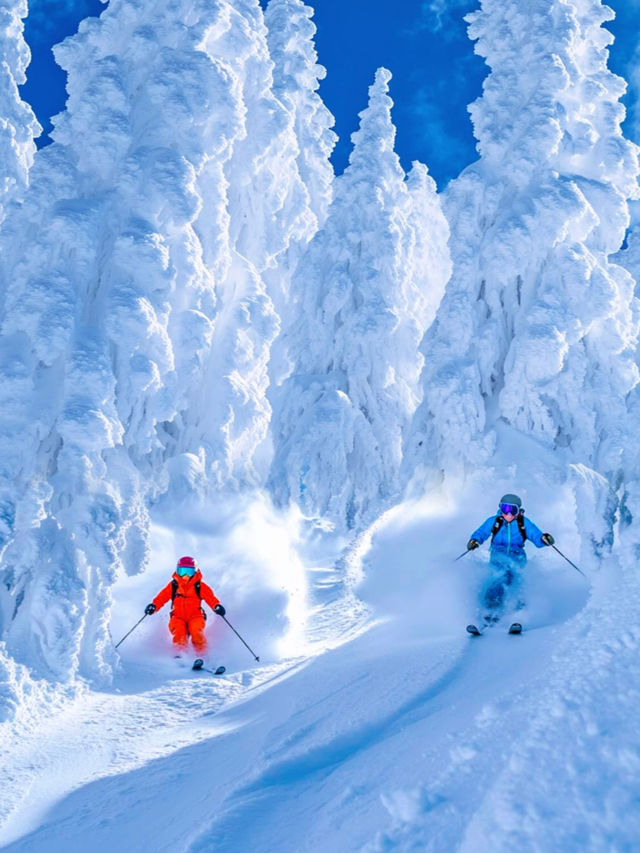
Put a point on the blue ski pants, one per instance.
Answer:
(504, 572)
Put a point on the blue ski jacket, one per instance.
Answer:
(508, 540)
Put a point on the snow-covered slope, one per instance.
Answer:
(409, 736)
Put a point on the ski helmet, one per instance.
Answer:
(187, 562)
(514, 500)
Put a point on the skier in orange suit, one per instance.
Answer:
(186, 590)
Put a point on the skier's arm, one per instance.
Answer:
(208, 595)
(162, 597)
(484, 531)
(534, 533)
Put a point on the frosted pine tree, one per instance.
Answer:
(270, 220)
(135, 339)
(296, 77)
(296, 81)
(629, 257)
(537, 327)
(427, 254)
(268, 202)
(18, 125)
(360, 314)
(629, 511)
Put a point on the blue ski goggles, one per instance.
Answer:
(509, 509)
(185, 571)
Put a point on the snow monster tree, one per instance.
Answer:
(537, 322)
(363, 296)
(18, 125)
(136, 326)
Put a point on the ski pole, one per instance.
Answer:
(239, 637)
(464, 554)
(570, 563)
(132, 630)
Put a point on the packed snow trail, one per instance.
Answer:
(395, 738)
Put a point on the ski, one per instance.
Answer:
(489, 622)
(515, 628)
(198, 665)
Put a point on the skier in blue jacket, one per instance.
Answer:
(509, 530)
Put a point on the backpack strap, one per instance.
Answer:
(174, 589)
(497, 524)
(521, 527)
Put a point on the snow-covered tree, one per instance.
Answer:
(365, 289)
(268, 202)
(629, 257)
(537, 326)
(297, 78)
(136, 327)
(18, 125)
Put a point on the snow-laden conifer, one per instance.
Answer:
(297, 78)
(364, 291)
(18, 125)
(537, 326)
(136, 329)
(268, 201)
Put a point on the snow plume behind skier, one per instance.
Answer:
(186, 590)
(509, 530)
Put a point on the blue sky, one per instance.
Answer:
(435, 72)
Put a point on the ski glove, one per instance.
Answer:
(472, 544)
(219, 609)
(149, 609)
(548, 539)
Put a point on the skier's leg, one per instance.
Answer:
(494, 598)
(196, 629)
(515, 590)
(178, 628)
(494, 593)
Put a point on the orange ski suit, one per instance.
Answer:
(187, 617)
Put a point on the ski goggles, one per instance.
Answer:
(509, 509)
(185, 571)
